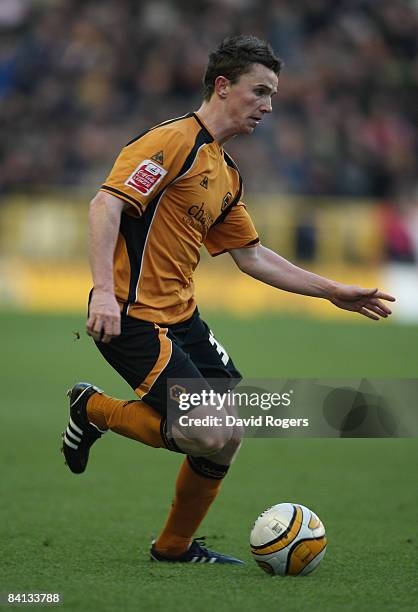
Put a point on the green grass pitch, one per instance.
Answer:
(87, 536)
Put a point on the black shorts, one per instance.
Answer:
(147, 355)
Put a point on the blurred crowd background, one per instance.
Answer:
(80, 78)
(330, 175)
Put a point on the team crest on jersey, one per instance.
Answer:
(226, 201)
(158, 157)
(146, 176)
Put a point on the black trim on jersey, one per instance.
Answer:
(251, 243)
(230, 162)
(125, 196)
(157, 126)
(203, 137)
(234, 202)
(135, 231)
(202, 125)
(137, 138)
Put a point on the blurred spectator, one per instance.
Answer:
(397, 237)
(80, 78)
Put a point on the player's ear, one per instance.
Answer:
(222, 86)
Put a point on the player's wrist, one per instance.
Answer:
(104, 290)
(330, 289)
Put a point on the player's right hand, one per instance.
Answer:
(103, 323)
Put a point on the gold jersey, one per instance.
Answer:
(184, 191)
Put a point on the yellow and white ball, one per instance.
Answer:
(288, 540)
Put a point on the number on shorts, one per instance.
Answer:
(219, 348)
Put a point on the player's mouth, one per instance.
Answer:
(256, 120)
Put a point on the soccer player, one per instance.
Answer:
(171, 190)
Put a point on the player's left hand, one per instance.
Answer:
(367, 302)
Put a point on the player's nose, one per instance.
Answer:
(266, 107)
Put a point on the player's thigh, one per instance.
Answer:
(210, 356)
(153, 364)
(138, 352)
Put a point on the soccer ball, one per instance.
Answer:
(288, 540)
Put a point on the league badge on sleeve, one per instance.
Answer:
(145, 177)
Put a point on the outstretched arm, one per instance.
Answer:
(270, 268)
(104, 219)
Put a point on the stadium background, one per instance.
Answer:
(331, 183)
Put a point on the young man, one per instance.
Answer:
(172, 190)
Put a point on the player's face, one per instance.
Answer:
(250, 98)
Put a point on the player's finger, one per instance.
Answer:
(105, 333)
(385, 296)
(90, 325)
(111, 329)
(95, 327)
(381, 305)
(99, 326)
(382, 313)
(368, 314)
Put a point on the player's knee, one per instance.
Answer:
(231, 444)
(225, 439)
(213, 441)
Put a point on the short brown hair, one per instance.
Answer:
(234, 57)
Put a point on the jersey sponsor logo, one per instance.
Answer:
(204, 182)
(158, 157)
(145, 177)
(199, 217)
(226, 201)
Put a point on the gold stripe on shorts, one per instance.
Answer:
(160, 364)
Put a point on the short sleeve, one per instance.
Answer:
(146, 166)
(236, 231)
